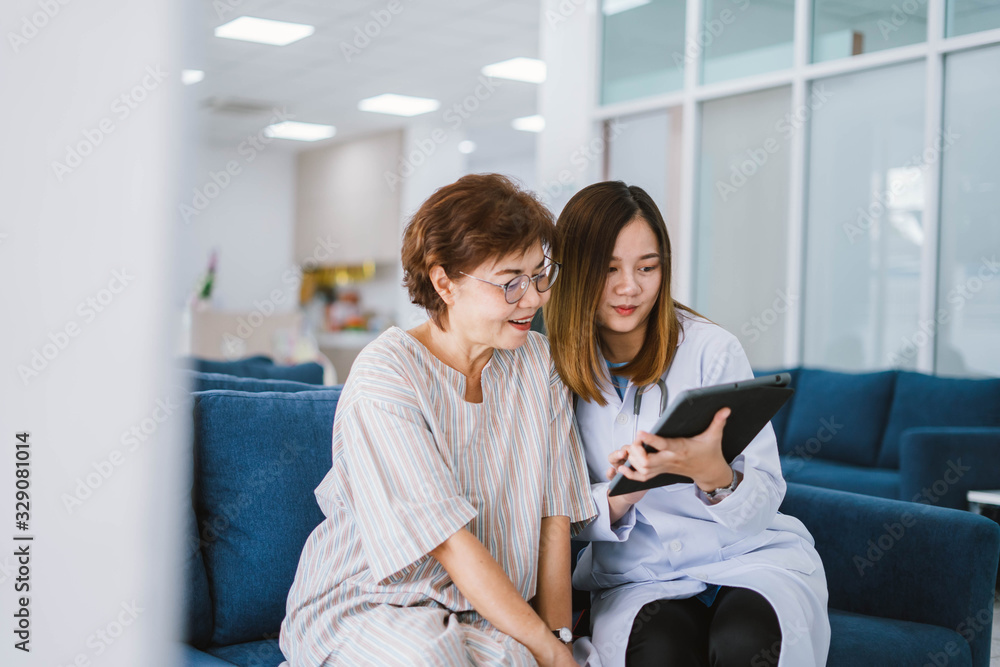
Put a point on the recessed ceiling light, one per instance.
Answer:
(398, 105)
(466, 146)
(264, 31)
(612, 7)
(291, 129)
(517, 69)
(529, 123)
(190, 76)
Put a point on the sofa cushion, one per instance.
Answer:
(221, 366)
(197, 601)
(869, 640)
(192, 657)
(263, 653)
(903, 560)
(780, 421)
(839, 416)
(259, 367)
(927, 400)
(941, 464)
(841, 476)
(258, 459)
(207, 381)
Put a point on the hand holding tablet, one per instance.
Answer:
(752, 404)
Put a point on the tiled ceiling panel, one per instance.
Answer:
(431, 48)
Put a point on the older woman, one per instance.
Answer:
(457, 475)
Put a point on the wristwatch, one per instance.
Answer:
(723, 491)
(565, 635)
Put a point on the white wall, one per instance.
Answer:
(251, 221)
(500, 149)
(343, 199)
(521, 167)
(103, 232)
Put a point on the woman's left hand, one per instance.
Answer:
(699, 457)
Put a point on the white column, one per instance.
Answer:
(686, 250)
(87, 177)
(798, 183)
(933, 129)
(430, 160)
(571, 148)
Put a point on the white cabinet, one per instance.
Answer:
(346, 213)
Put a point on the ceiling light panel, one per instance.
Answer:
(399, 105)
(530, 70)
(290, 129)
(264, 31)
(529, 123)
(190, 76)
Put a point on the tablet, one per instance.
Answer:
(752, 403)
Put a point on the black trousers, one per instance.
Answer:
(740, 629)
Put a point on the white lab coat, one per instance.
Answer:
(672, 543)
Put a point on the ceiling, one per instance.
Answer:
(430, 48)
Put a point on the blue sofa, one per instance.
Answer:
(908, 583)
(892, 434)
(260, 448)
(259, 366)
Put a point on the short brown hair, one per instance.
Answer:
(587, 230)
(460, 226)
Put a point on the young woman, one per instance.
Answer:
(457, 474)
(707, 573)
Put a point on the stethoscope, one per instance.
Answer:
(637, 403)
(637, 400)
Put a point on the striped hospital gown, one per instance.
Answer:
(413, 463)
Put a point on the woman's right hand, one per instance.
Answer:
(560, 656)
(565, 658)
(485, 584)
(619, 504)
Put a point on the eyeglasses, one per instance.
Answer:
(518, 287)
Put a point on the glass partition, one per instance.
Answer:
(741, 38)
(965, 16)
(639, 146)
(864, 219)
(643, 48)
(968, 314)
(844, 29)
(742, 221)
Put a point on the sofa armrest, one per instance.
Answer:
(904, 561)
(938, 466)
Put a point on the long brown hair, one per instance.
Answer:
(587, 230)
